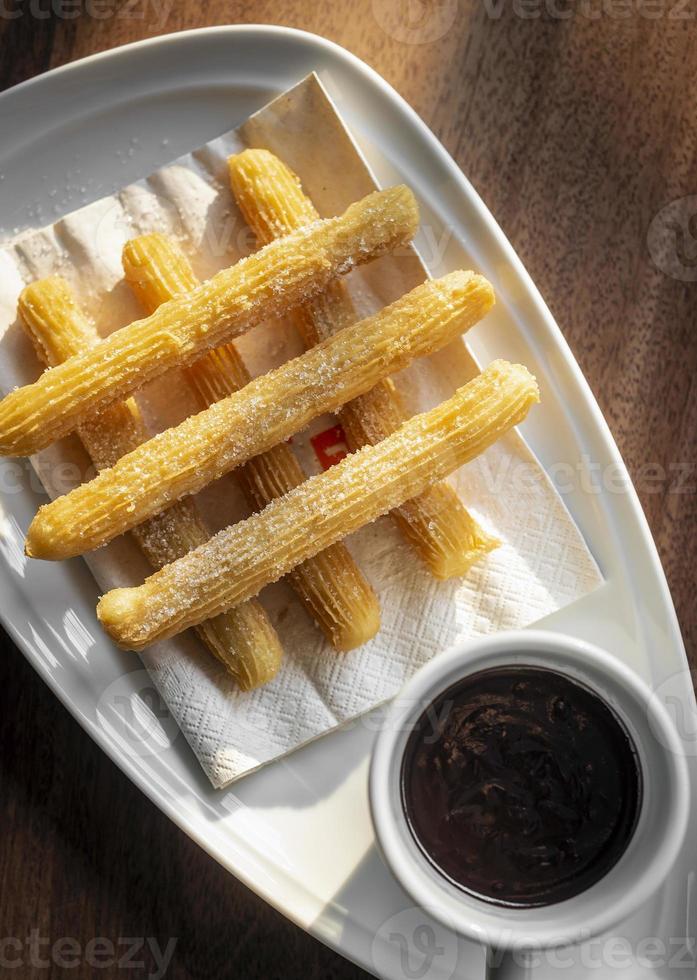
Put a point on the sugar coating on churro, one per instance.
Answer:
(436, 523)
(242, 559)
(330, 585)
(267, 411)
(278, 277)
(243, 639)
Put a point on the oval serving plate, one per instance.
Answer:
(298, 832)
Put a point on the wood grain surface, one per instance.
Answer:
(577, 123)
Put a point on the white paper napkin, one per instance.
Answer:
(543, 563)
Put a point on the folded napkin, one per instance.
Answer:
(543, 563)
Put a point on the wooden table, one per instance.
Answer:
(577, 130)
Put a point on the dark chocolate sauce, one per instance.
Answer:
(521, 786)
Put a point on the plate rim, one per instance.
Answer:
(336, 50)
(572, 371)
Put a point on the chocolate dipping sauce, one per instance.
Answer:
(521, 786)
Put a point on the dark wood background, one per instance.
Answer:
(577, 124)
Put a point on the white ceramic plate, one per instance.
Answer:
(298, 832)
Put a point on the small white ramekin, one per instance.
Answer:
(660, 828)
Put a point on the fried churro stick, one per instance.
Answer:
(277, 277)
(267, 411)
(242, 559)
(330, 585)
(243, 640)
(437, 525)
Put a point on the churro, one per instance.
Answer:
(330, 585)
(283, 274)
(267, 411)
(243, 639)
(242, 559)
(442, 532)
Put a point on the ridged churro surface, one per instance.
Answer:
(244, 558)
(267, 283)
(330, 585)
(436, 523)
(243, 639)
(267, 411)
